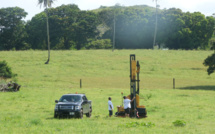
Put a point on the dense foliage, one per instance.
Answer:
(12, 28)
(210, 62)
(71, 28)
(176, 30)
(5, 70)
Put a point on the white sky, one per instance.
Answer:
(206, 7)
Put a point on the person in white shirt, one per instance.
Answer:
(110, 107)
(127, 105)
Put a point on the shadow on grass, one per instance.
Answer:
(50, 118)
(197, 68)
(205, 87)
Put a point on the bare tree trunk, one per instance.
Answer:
(114, 23)
(156, 21)
(47, 23)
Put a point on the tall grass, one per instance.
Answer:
(105, 73)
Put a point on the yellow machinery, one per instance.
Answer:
(137, 110)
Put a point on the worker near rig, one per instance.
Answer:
(127, 105)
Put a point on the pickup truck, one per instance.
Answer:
(73, 105)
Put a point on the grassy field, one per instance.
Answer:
(105, 73)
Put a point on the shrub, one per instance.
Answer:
(5, 70)
(36, 122)
(99, 44)
(179, 123)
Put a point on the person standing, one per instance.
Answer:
(127, 105)
(110, 107)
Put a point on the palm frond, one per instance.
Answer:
(45, 3)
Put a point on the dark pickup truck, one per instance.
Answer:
(73, 105)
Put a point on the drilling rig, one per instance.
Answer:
(136, 110)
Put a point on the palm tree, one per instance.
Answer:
(156, 22)
(46, 4)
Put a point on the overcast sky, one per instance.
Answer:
(206, 7)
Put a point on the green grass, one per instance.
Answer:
(105, 73)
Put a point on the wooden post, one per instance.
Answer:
(80, 83)
(173, 83)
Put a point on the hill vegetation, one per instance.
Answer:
(72, 28)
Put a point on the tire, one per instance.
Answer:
(81, 114)
(89, 114)
(55, 115)
(145, 114)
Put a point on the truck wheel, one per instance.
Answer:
(81, 114)
(89, 114)
(55, 115)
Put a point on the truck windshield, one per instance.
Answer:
(70, 98)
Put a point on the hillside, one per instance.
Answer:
(156, 67)
(146, 7)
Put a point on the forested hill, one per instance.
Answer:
(130, 27)
(145, 7)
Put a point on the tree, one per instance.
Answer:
(5, 70)
(210, 62)
(12, 28)
(46, 4)
(186, 30)
(131, 24)
(36, 30)
(63, 23)
(86, 28)
(70, 28)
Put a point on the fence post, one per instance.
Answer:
(173, 83)
(80, 83)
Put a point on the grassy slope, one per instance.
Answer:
(105, 74)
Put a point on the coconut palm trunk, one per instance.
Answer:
(48, 40)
